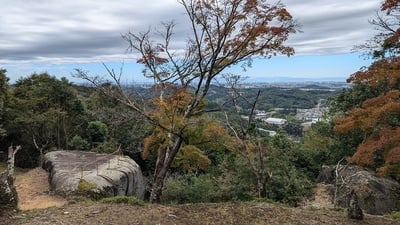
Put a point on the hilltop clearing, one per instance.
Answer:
(227, 213)
(32, 187)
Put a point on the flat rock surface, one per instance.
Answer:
(111, 174)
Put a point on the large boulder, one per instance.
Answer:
(376, 194)
(93, 174)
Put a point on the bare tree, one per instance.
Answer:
(11, 160)
(249, 144)
(224, 33)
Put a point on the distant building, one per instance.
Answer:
(271, 133)
(275, 121)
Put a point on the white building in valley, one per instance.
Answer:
(275, 121)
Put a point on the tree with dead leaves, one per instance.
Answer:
(223, 33)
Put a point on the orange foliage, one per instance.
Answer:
(385, 70)
(389, 5)
(378, 117)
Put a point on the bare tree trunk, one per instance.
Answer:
(262, 188)
(8, 194)
(164, 160)
(11, 160)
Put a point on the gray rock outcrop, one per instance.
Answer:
(99, 175)
(376, 194)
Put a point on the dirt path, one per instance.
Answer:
(321, 198)
(33, 190)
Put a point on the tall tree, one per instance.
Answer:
(378, 115)
(46, 112)
(224, 33)
(4, 94)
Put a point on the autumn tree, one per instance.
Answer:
(224, 33)
(378, 116)
(387, 42)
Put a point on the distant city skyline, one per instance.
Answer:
(59, 36)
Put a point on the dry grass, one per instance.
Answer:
(95, 213)
(228, 213)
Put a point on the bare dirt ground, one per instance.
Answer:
(33, 190)
(321, 199)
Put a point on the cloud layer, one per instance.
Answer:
(88, 31)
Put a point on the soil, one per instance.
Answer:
(321, 199)
(33, 190)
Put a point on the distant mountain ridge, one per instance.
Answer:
(295, 79)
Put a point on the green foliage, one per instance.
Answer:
(131, 200)
(236, 181)
(78, 143)
(271, 98)
(189, 188)
(45, 113)
(289, 182)
(352, 97)
(88, 190)
(320, 145)
(394, 215)
(125, 127)
(4, 100)
(190, 159)
(106, 147)
(97, 131)
(289, 185)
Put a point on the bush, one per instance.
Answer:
(189, 188)
(88, 190)
(78, 143)
(289, 186)
(97, 131)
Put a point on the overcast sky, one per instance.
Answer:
(58, 35)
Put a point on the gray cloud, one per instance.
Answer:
(85, 30)
(331, 27)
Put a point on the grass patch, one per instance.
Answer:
(131, 200)
(3, 167)
(394, 215)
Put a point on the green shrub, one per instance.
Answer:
(88, 190)
(78, 143)
(97, 131)
(394, 215)
(189, 188)
(106, 147)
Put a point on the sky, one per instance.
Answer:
(57, 36)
